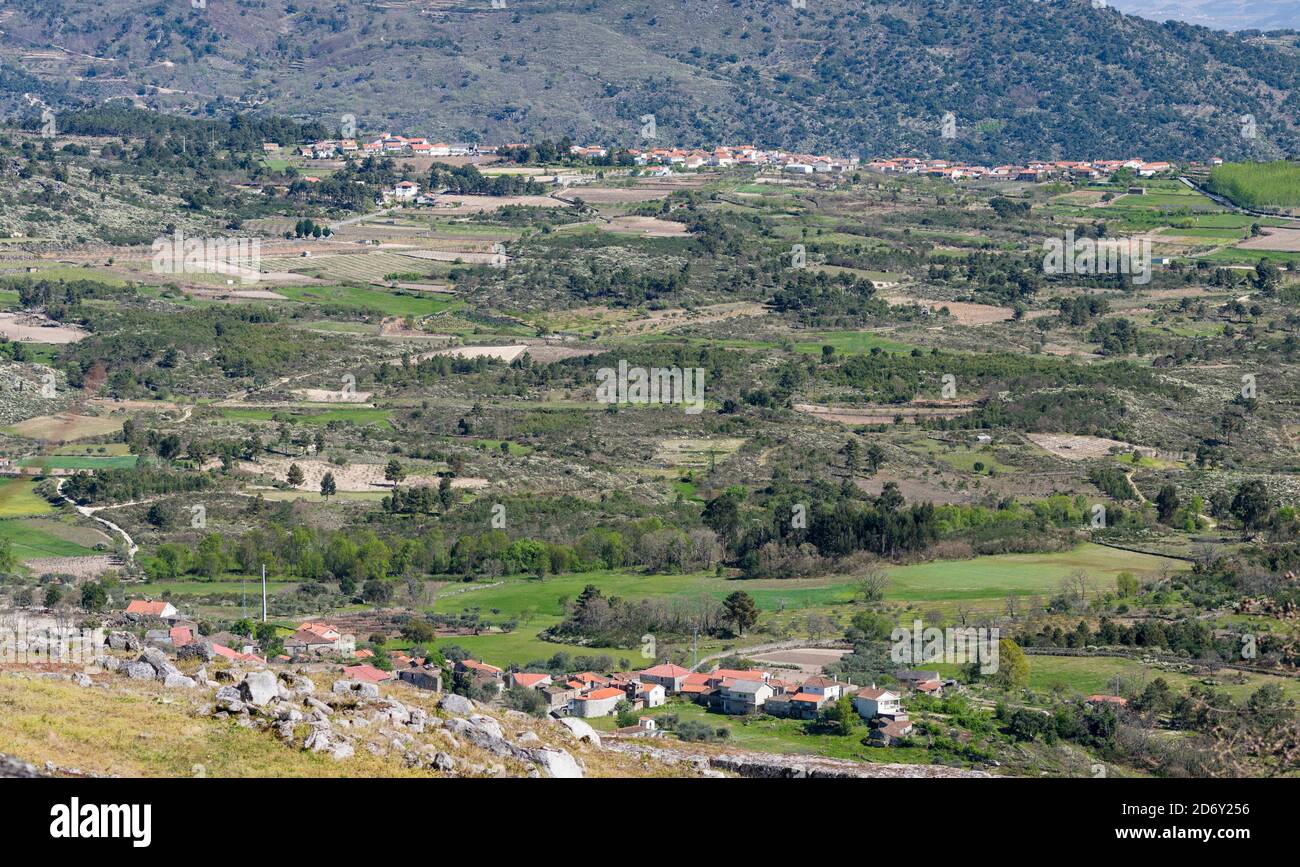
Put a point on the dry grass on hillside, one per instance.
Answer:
(139, 729)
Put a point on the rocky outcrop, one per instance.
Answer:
(457, 705)
(355, 687)
(775, 766)
(580, 729)
(556, 763)
(258, 688)
(11, 767)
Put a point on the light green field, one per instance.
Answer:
(1019, 574)
(850, 343)
(18, 498)
(985, 580)
(354, 416)
(71, 462)
(95, 450)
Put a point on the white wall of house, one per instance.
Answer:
(886, 703)
(593, 708)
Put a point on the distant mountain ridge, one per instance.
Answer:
(1219, 14)
(1023, 79)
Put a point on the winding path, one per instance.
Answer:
(89, 512)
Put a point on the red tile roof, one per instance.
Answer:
(144, 606)
(368, 673)
(598, 694)
(524, 678)
(666, 669)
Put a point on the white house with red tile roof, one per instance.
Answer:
(651, 694)
(234, 655)
(152, 608)
(319, 638)
(871, 702)
(405, 191)
(529, 680)
(821, 685)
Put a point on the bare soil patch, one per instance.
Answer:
(77, 567)
(505, 353)
(450, 204)
(1286, 240)
(652, 227)
(1073, 447)
(31, 328)
(324, 395)
(618, 195)
(809, 660)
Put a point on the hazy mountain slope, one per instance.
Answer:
(1023, 78)
(1219, 14)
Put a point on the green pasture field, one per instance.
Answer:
(850, 343)
(304, 416)
(1088, 675)
(984, 579)
(69, 462)
(1003, 575)
(30, 539)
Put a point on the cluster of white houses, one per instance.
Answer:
(668, 158)
(384, 144)
(1031, 171)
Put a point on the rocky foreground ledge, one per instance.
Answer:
(772, 766)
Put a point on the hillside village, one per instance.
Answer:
(317, 647)
(726, 156)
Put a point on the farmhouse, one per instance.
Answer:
(405, 191)
(740, 697)
(313, 638)
(889, 733)
(422, 678)
(528, 680)
(871, 702)
(670, 677)
(142, 608)
(598, 702)
(366, 673)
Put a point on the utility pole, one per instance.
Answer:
(263, 592)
